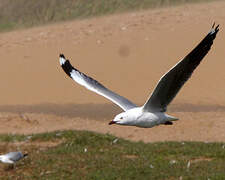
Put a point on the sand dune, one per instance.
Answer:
(128, 53)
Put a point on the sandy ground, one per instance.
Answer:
(128, 53)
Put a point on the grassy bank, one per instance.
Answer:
(27, 13)
(85, 155)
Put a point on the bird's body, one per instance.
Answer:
(153, 112)
(140, 118)
(12, 157)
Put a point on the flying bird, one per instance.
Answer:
(153, 112)
(12, 157)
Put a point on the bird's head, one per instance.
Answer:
(122, 119)
(25, 154)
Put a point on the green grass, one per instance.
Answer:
(107, 157)
(26, 13)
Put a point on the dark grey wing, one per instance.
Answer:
(15, 156)
(94, 85)
(170, 84)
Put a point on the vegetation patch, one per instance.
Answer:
(87, 155)
(27, 13)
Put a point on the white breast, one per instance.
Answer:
(149, 120)
(138, 117)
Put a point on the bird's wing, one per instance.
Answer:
(169, 85)
(15, 156)
(94, 85)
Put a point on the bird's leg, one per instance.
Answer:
(12, 166)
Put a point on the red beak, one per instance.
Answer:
(112, 122)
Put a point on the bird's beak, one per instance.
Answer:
(112, 122)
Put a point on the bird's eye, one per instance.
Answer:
(121, 117)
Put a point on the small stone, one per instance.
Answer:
(99, 42)
(115, 140)
(188, 165)
(173, 162)
(123, 28)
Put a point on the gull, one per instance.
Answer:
(12, 157)
(153, 112)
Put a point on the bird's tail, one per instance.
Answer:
(171, 118)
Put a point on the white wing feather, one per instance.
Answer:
(94, 85)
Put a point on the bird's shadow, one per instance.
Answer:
(90, 111)
(97, 111)
(9, 167)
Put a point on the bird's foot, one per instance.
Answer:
(168, 123)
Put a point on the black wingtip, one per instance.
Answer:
(217, 28)
(65, 64)
(214, 26)
(62, 56)
(214, 29)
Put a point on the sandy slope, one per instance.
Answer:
(127, 53)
